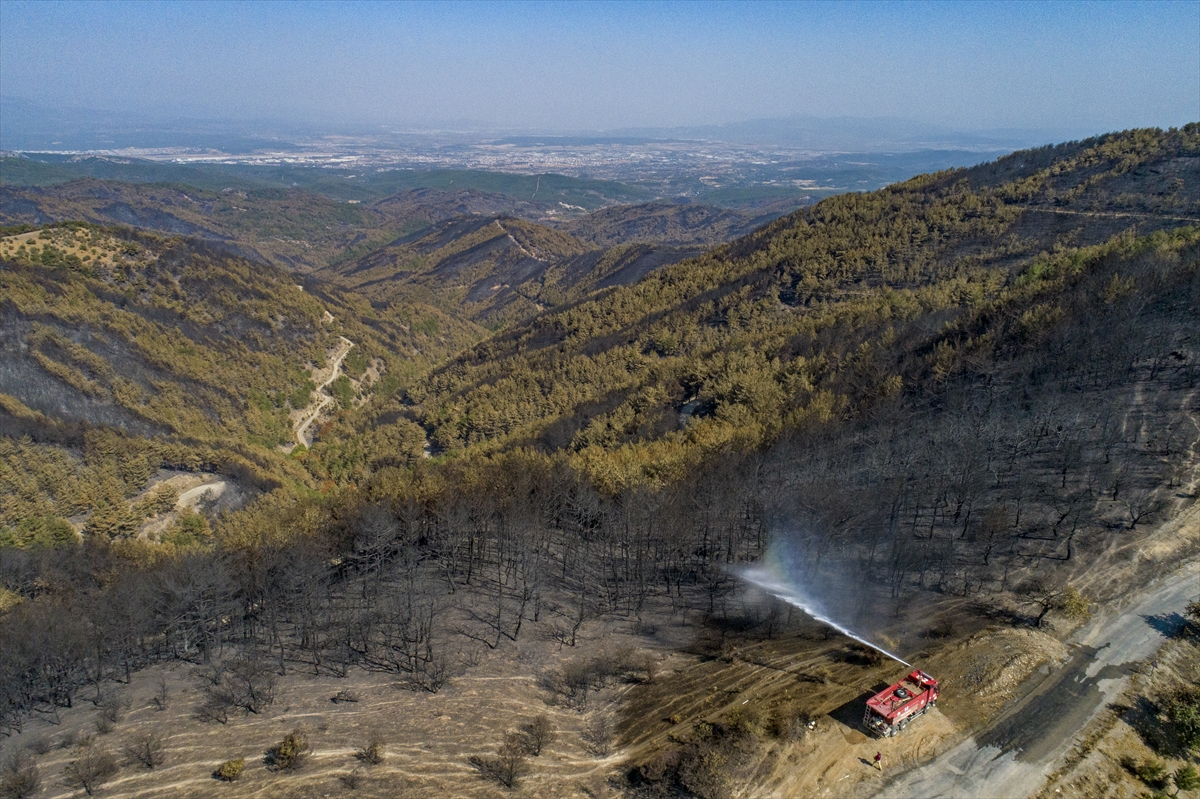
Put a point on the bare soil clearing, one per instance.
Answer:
(428, 736)
(826, 680)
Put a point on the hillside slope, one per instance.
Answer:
(189, 356)
(671, 224)
(303, 230)
(495, 270)
(754, 331)
(292, 228)
(438, 205)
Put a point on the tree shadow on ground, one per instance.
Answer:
(1170, 625)
(1144, 717)
(1002, 615)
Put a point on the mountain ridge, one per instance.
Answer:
(496, 270)
(934, 227)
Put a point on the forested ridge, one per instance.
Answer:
(497, 271)
(295, 228)
(292, 228)
(828, 307)
(979, 383)
(125, 352)
(676, 224)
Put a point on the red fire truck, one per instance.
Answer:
(890, 710)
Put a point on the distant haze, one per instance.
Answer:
(1065, 69)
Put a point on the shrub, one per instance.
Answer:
(40, 746)
(346, 695)
(703, 768)
(113, 706)
(94, 767)
(1186, 778)
(663, 764)
(428, 674)
(373, 752)
(598, 735)
(539, 733)
(343, 391)
(214, 708)
(861, 655)
(19, 778)
(146, 749)
(1075, 605)
(1192, 611)
(1152, 772)
(351, 779)
(290, 753)
(162, 697)
(230, 770)
(508, 766)
(572, 682)
(189, 529)
(246, 682)
(789, 724)
(650, 666)
(1183, 709)
(744, 721)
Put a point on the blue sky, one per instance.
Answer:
(1074, 68)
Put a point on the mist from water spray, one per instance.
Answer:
(769, 581)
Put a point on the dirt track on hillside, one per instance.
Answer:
(300, 429)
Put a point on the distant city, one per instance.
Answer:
(679, 168)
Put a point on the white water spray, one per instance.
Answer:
(765, 580)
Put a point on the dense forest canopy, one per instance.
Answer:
(831, 305)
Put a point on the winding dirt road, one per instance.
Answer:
(1015, 755)
(300, 429)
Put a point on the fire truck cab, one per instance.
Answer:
(890, 710)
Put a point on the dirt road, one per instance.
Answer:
(301, 428)
(1014, 756)
(192, 497)
(1110, 214)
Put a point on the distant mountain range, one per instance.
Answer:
(854, 134)
(28, 125)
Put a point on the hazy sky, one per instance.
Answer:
(1069, 67)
